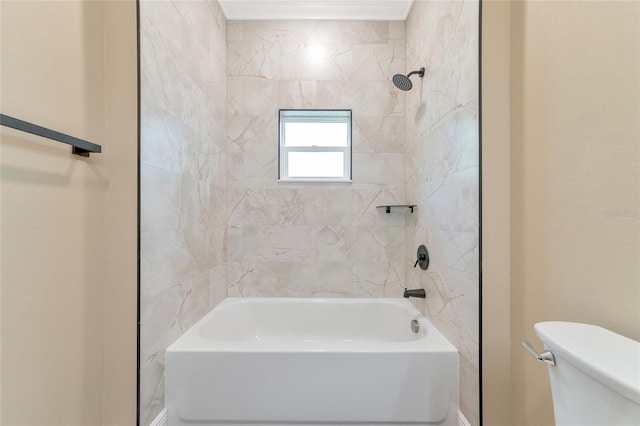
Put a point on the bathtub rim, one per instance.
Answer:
(432, 342)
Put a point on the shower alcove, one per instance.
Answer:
(215, 221)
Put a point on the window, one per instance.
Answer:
(315, 145)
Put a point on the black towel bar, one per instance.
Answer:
(80, 146)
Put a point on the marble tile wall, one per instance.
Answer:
(183, 178)
(315, 239)
(442, 176)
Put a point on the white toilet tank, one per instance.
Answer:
(596, 379)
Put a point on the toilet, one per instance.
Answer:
(596, 376)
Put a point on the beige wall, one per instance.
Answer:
(56, 209)
(121, 98)
(496, 354)
(575, 179)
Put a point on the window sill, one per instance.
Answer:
(315, 181)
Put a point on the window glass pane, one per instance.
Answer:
(316, 164)
(315, 145)
(316, 134)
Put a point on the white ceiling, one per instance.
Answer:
(359, 10)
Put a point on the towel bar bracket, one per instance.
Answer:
(79, 151)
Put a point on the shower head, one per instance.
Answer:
(403, 82)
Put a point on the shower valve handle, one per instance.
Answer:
(423, 258)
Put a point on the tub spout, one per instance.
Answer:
(418, 292)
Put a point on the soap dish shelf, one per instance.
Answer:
(397, 206)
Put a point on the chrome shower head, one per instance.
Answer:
(403, 82)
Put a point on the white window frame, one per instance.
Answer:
(313, 116)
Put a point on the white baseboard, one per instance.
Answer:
(462, 420)
(161, 420)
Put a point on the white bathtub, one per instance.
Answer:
(312, 362)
